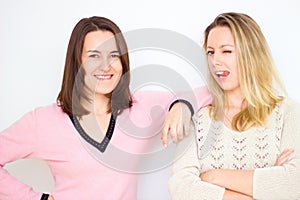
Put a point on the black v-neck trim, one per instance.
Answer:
(109, 133)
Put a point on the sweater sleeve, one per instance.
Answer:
(17, 142)
(185, 182)
(282, 182)
(198, 98)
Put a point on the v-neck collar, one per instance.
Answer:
(109, 133)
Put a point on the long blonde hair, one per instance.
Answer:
(256, 69)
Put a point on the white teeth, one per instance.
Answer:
(103, 76)
(219, 73)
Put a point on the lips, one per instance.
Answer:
(222, 74)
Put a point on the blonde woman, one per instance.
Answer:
(246, 144)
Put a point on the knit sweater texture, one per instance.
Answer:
(215, 146)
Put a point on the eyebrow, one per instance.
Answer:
(115, 51)
(93, 51)
(224, 45)
(96, 51)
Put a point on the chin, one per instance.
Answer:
(103, 92)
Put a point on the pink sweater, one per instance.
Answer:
(80, 170)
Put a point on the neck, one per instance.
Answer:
(100, 104)
(234, 99)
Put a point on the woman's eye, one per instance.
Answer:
(227, 51)
(210, 52)
(94, 56)
(115, 55)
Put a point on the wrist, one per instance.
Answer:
(214, 177)
(50, 197)
(187, 103)
(210, 176)
(45, 196)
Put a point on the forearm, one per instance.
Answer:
(17, 142)
(232, 195)
(11, 188)
(184, 182)
(195, 99)
(236, 180)
(279, 182)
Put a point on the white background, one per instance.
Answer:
(34, 36)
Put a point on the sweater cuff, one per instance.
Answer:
(188, 104)
(268, 182)
(45, 196)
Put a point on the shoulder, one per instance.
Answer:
(48, 109)
(288, 111)
(204, 111)
(48, 113)
(289, 105)
(202, 116)
(41, 116)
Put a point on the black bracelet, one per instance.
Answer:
(45, 196)
(189, 105)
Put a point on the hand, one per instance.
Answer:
(50, 197)
(284, 157)
(209, 176)
(177, 123)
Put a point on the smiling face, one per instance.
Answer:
(222, 58)
(101, 62)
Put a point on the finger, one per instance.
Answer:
(284, 157)
(180, 136)
(164, 134)
(286, 161)
(291, 151)
(173, 133)
(180, 133)
(186, 128)
(286, 153)
(282, 161)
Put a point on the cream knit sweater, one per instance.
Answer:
(215, 146)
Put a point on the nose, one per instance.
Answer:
(105, 65)
(216, 59)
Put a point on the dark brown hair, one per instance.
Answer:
(72, 89)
